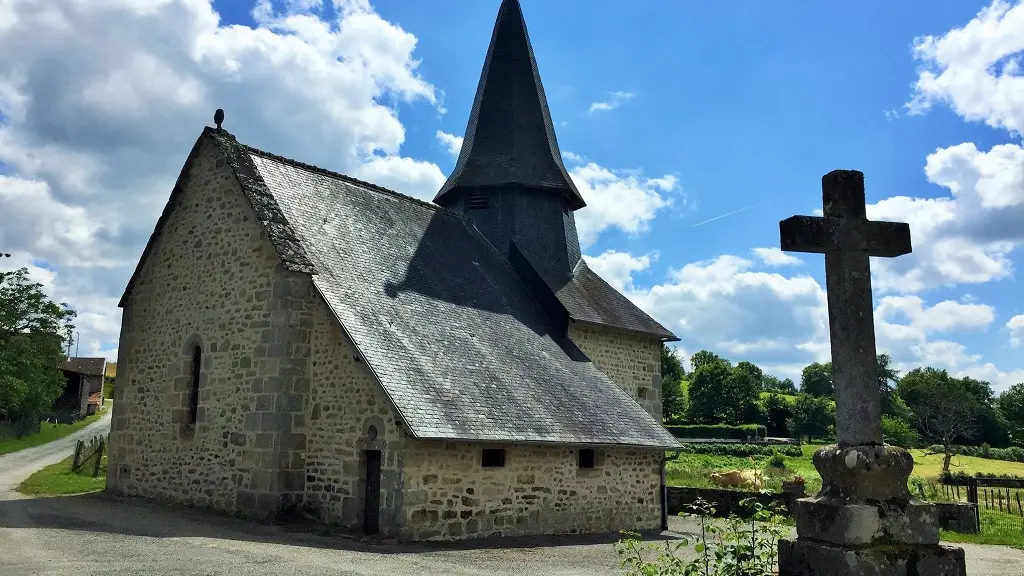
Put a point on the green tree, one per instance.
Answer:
(703, 358)
(33, 332)
(743, 392)
(772, 384)
(816, 379)
(945, 408)
(778, 411)
(899, 432)
(813, 417)
(994, 427)
(673, 398)
(1011, 405)
(709, 392)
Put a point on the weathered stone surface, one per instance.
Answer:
(958, 516)
(632, 361)
(558, 497)
(864, 473)
(200, 285)
(842, 522)
(808, 558)
(347, 400)
(863, 521)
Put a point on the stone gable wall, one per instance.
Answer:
(346, 400)
(213, 279)
(633, 361)
(540, 490)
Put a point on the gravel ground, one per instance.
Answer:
(97, 534)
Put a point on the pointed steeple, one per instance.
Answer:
(510, 140)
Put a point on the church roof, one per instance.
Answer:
(510, 139)
(586, 297)
(460, 345)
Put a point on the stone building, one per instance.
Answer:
(83, 386)
(298, 341)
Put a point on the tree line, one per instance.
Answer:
(923, 405)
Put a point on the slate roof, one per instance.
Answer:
(87, 366)
(510, 138)
(586, 297)
(458, 342)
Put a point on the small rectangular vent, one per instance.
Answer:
(586, 458)
(478, 201)
(492, 458)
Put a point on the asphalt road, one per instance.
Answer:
(98, 534)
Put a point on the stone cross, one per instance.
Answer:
(847, 239)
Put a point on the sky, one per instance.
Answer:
(690, 128)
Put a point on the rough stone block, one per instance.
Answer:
(841, 522)
(801, 557)
(958, 516)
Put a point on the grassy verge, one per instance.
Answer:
(58, 479)
(47, 433)
(996, 528)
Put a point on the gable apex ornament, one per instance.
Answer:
(218, 118)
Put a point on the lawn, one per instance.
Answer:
(58, 479)
(47, 433)
(996, 528)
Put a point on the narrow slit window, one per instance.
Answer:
(493, 458)
(478, 201)
(586, 457)
(193, 396)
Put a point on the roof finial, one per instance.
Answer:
(218, 118)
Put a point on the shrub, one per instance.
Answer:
(718, 431)
(777, 461)
(742, 450)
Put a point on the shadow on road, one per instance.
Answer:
(102, 512)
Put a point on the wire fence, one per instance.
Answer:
(1000, 509)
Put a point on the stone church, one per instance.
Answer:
(296, 341)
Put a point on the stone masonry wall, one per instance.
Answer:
(213, 279)
(346, 401)
(540, 490)
(633, 361)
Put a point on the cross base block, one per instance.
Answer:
(801, 557)
(844, 523)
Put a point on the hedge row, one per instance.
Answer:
(954, 477)
(719, 431)
(742, 450)
(1012, 454)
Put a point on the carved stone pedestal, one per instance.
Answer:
(864, 521)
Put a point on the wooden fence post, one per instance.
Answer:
(99, 457)
(78, 456)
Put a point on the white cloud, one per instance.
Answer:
(776, 257)
(101, 101)
(622, 199)
(573, 157)
(891, 114)
(451, 142)
(967, 237)
(615, 99)
(976, 69)
(617, 268)
(1016, 327)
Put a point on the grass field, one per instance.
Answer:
(695, 469)
(47, 433)
(57, 480)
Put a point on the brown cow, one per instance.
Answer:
(738, 479)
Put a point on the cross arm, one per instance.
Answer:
(821, 235)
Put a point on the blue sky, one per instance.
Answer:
(709, 109)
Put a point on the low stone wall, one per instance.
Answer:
(725, 501)
(958, 516)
